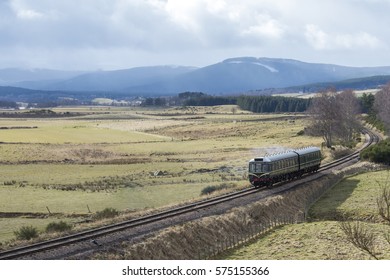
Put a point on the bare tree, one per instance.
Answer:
(360, 236)
(383, 200)
(335, 116)
(324, 112)
(348, 124)
(382, 105)
(387, 237)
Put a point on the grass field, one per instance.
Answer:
(36, 199)
(322, 238)
(131, 158)
(354, 197)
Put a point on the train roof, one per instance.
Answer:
(276, 157)
(307, 150)
(288, 154)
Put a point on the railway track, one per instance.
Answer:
(371, 139)
(92, 234)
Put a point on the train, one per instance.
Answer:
(270, 169)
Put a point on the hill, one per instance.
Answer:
(119, 80)
(239, 75)
(356, 84)
(24, 77)
(234, 75)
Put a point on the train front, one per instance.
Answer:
(259, 172)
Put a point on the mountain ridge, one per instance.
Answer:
(230, 76)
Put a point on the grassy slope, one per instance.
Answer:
(322, 238)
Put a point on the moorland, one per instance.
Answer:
(69, 163)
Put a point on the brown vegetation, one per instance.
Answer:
(198, 239)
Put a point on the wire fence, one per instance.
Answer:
(254, 231)
(211, 237)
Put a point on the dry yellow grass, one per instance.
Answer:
(194, 147)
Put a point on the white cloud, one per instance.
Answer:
(24, 12)
(29, 14)
(321, 40)
(265, 28)
(191, 31)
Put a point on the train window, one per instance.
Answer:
(251, 167)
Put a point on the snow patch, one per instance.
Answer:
(271, 69)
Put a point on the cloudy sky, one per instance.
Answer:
(117, 34)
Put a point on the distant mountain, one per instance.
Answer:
(119, 80)
(20, 77)
(234, 75)
(245, 74)
(355, 84)
(18, 94)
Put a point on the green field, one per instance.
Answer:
(36, 199)
(354, 197)
(130, 158)
(322, 238)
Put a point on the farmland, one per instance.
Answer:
(77, 161)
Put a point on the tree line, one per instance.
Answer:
(8, 104)
(273, 104)
(256, 104)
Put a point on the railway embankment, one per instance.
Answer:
(207, 237)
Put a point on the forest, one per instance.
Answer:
(255, 104)
(273, 104)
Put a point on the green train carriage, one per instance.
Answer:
(267, 170)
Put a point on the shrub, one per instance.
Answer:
(211, 189)
(26, 233)
(58, 227)
(9, 183)
(379, 153)
(208, 190)
(106, 213)
(341, 152)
